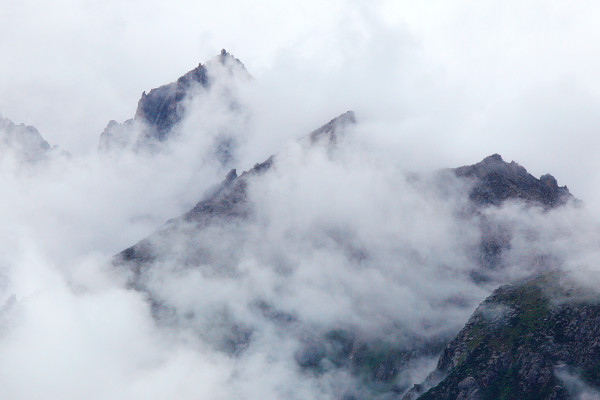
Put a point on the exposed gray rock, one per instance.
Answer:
(547, 321)
(496, 181)
(159, 110)
(225, 204)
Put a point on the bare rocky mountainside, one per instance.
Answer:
(519, 342)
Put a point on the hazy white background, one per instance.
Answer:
(434, 84)
(461, 79)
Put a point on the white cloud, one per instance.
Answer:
(339, 239)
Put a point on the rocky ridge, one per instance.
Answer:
(496, 181)
(225, 204)
(159, 110)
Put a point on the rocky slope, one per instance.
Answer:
(159, 110)
(490, 176)
(188, 242)
(519, 342)
(226, 204)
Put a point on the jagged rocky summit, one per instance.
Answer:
(159, 110)
(496, 181)
(492, 183)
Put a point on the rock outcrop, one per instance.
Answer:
(160, 109)
(519, 341)
(493, 183)
(496, 181)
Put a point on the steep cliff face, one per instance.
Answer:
(159, 110)
(520, 341)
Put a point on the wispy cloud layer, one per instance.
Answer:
(363, 239)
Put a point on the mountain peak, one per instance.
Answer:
(493, 158)
(496, 181)
(162, 108)
(330, 130)
(230, 62)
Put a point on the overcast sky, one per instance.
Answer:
(446, 82)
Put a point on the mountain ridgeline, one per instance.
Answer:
(159, 110)
(226, 204)
(228, 272)
(497, 181)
